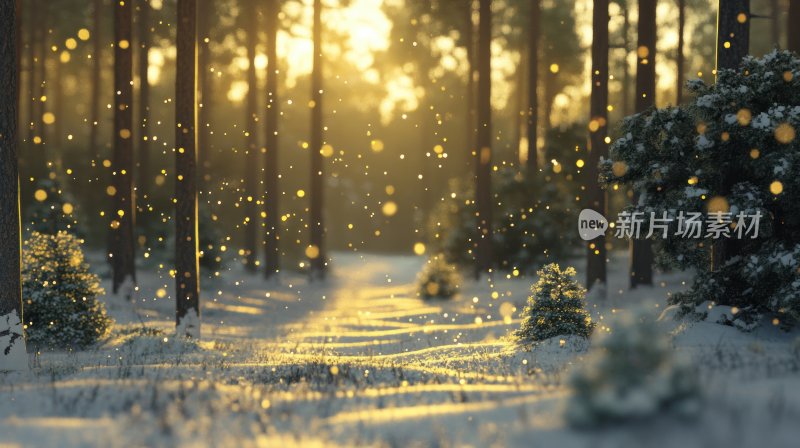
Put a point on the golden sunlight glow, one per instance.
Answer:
(363, 22)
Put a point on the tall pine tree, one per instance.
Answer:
(96, 79)
(122, 241)
(641, 261)
(598, 131)
(533, 83)
(12, 343)
(143, 123)
(271, 172)
(251, 128)
(483, 156)
(187, 279)
(316, 251)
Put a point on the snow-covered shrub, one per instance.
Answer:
(61, 306)
(557, 307)
(731, 149)
(630, 373)
(527, 221)
(438, 278)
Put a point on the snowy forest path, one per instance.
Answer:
(358, 353)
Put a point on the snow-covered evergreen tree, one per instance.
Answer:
(557, 307)
(60, 294)
(438, 278)
(731, 149)
(630, 373)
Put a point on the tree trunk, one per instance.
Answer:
(598, 148)
(483, 156)
(775, 12)
(549, 97)
(317, 250)
(122, 248)
(56, 106)
(792, 27)
(425, 184)
(187, 279)
(533, 84)
(206, 8)
(251, 132)
(41, 42)
(271, 171)
(679, 57)
(641, 258)
(469, 110)
(143, 173)
(97, 50)
(520, 107)
(12, 343)
(733, 44)
(31, 90)
(18, 43)
(626, 71)
(34, 159)
(733, 33)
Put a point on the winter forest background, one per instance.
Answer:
(355, 222)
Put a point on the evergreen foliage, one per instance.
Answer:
(630, 373)
(557, 307)
(438, 279)
(732, 148)
(62, 309)
(527, 221)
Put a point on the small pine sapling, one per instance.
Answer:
(438, 279)
(62, 309)
(557, 307)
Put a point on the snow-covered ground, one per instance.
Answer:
(359, 360)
